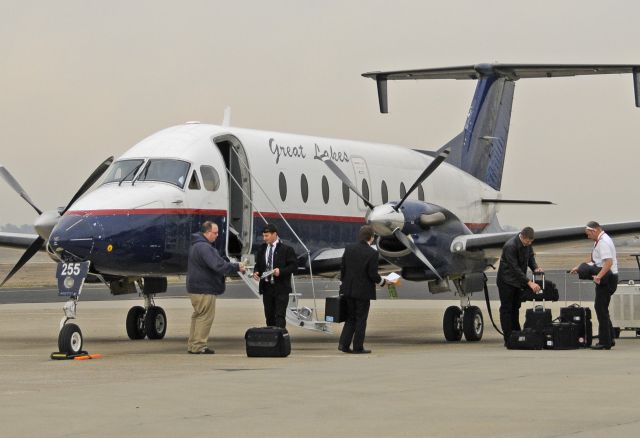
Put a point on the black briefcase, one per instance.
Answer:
(335, 309)
(581, 316)
(267, 342)
(561, 336)
(526, 339)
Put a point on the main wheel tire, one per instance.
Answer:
(155, 323)
(472, 324)
(135, 323)
(70, 339)
(451, 324)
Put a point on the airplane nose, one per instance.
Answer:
(74, 237)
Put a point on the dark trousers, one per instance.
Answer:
(356, 324)
(275, 307)
(510, 301)
(604, 290)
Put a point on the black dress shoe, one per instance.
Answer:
(361, 351)
(345, 349)
(601, 347)
(205, 350)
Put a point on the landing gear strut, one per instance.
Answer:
(70, 335)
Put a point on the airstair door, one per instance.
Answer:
(240, 213)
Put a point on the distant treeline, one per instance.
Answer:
(11, 228)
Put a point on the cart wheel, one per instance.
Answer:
(616, 332)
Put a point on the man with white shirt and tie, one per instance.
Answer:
(276, 256)
(605, 269)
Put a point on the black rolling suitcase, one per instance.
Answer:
(335, 309)
(527, 339)
(581, 317)
(561, 336)
(538, 318)
(267, 342)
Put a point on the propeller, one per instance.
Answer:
(387, 219)
(414, 249)
(47, 220)
(442, 155)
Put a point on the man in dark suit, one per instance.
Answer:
(359, 275)
(276, 256)
(517, 256)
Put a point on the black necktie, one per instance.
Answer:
(270, 262)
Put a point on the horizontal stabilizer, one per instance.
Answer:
(511, 72)
(515, 201)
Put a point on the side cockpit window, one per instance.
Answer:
(123, 170)
(210, 178)
(194, 184)
(165, 170)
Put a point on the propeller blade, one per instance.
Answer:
(15, 185)
(30, 252)
(414, 249)
(102, 168)
(345, 179)
(443, 153)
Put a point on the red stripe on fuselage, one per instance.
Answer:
(112, 212)
(312, 217)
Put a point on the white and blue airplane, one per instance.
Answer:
(131, 222)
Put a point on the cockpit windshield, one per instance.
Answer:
(165, 170)
(123, 170)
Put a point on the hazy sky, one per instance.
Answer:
(82, 80)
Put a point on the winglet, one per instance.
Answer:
(382, 95)
(636, 85)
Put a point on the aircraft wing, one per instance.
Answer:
(17, 240)
(472, 242)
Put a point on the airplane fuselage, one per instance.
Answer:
(139, 221)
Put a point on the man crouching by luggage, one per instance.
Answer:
(205, 279)
(517, 255)
(603, 268)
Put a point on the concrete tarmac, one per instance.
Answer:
(414, 383)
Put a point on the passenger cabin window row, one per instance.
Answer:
(346, 192)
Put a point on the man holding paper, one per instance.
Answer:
(359, 275)
(275, 262)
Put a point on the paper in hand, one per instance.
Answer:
(392, 277)
(267, 274)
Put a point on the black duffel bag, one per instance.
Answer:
(549, 292)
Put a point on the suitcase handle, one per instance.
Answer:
(541, 275)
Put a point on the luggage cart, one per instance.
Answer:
(624, 309)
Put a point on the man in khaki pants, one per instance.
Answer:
(205, 279)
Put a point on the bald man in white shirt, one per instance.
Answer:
(603, 256)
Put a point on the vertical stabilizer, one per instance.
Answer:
(484, 147)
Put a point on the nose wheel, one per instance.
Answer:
(70, 339)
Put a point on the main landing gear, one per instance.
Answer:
(149, 321)
(466, 319)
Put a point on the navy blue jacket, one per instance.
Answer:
(206, 269)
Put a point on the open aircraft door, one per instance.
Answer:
(240, 211)
(363, 182)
